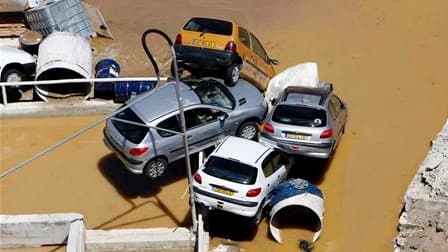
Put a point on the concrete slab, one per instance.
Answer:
(139, 239)
(66, 108)
(35, 230)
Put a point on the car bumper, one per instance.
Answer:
(216, 201)
(133, 166)
(315, 150)
(204, 58)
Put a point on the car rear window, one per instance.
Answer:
(132, 132)
(209, 25)
(300, 116)
(231, 170)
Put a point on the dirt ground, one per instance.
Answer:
(385, 58)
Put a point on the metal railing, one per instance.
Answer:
(92, 81)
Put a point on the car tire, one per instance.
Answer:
(12, 75)
(232, 75)
(248, 130)
(258, 216)
(180, 69)
(155, 168)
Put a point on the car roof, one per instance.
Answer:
(163, 100)
(306, 95)
(241, 150)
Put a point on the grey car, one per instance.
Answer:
(306, 121)
(212, 111)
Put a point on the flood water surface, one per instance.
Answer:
(386, 60)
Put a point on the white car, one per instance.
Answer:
(238, 176)
(16, 64)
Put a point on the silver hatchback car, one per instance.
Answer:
(212, 111)
(306, 121)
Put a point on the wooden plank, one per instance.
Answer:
(12, 25)
(12, 32)
(97, 21)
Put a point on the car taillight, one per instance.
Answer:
(327, 133)
(138, 151)
(253, 192)
(197, 178)
(178, 39)
(268, 128)
(231, 46)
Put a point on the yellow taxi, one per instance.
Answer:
(224, 49)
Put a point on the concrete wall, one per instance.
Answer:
(139, 239)
(35, 230)
(423, 224)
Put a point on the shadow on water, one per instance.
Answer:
(229, 226)
(131, 186)
(311, 169)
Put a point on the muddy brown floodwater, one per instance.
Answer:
(387, 60)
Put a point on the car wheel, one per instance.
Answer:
(232, 75)
(12, 75)
(180, 69)
(155, 168)
(259, 215)
(248, 130)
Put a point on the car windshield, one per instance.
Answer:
(209, 25)
(132, 132)
(211, 92)
(231, 170)
(300, 116)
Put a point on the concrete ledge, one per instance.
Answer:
(63, 108)
(77, 237)
(35, 230)
(423, 225)
(134, 239)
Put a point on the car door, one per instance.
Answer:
(205, 126)
(248, 71)
(169, 144)
(275, 169)
(339, 115)
(265, 70)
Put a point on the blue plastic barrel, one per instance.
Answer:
(106, 68)
(125, 90)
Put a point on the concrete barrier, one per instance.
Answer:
(33, 109)
(139, 239)
(35, 230)
(423, 224)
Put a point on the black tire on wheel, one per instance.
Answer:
(232, 75)
(155, 168)
(12, 74)
(248, 130)
(180, 69)
(258, 216)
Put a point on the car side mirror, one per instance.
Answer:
(274, 62)
(222, 117)
(272, 100)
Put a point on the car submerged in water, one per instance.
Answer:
(212, 111)
(240, 183)
(307, 121)
(224, 49)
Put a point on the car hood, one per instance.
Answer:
(13, 55)
(246, 94)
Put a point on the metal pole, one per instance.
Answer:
(187, 152)
(181, 112)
